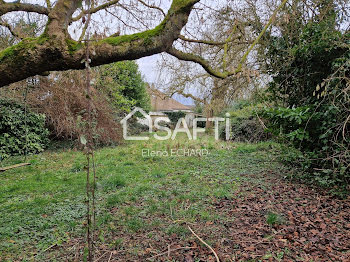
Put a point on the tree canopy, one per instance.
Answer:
(143, 29)
(123, 84)
(31, 55)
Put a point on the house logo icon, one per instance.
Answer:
(124, 122)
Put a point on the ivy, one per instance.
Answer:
(20, 134)
(312, 105)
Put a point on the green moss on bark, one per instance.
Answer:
(73, 45)
(180, 5)
(24, 45)
(27, 44)
(145, 36)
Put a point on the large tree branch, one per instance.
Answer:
(60, 17)
(35, 56)
(199, 60)
(11, 7)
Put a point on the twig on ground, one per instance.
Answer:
(206, 244)
(181, 221)
(171, 213)
(42, 252)
(109, 259)
(168, 252)
(101, 256)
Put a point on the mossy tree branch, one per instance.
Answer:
(55, 50)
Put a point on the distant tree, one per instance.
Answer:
(123, 84)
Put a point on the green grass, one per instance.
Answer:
(43, 204)
(274, 219)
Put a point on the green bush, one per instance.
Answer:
(289, 123)
(315, 132)
(245, 130)
(123, 85)
(136, 128)
(13, 131)
(175, 116)
(245, 125)
(312, 103)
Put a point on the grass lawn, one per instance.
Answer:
(43, 204)
(145, 204)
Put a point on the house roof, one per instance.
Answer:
(161, 102)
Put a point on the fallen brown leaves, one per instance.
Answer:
(316, 227)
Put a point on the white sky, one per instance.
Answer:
(149, 70)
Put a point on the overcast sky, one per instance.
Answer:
(148, 68)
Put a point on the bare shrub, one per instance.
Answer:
(62, 98)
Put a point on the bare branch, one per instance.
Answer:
(11, 7)
(226, 45)
(187, 95)
(122, 21)
(95, 9)
(152, 6)
(199, 60)
(86, 25)
(134, 16)
(272, 18)
(8, 26)
(207, 42)
(205, 64)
